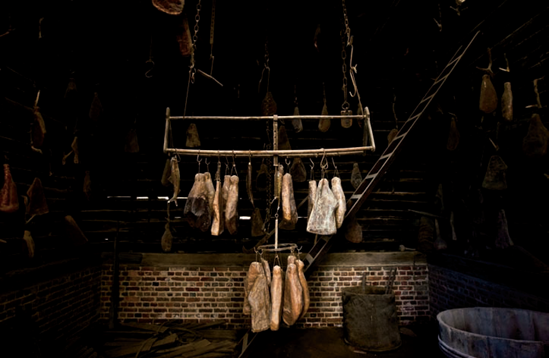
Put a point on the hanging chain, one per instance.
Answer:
(265, 67)
(212, 27)
(345, 105)
(195, 38)
(346, 19)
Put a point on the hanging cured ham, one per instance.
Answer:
(260, 303)
(249, 184)
(356, 176)
(210, 191)
(494, 179)
(251, 276)
(231, 209)
(534, 144)
(341, 203)
(293, 296)
(322, 220)
(196, 208)
(193, 140)
(298, 125)
(218, 222)
(277, 288)
(9, 202)
(184, 38)
(37, 200)
(507, 102)
(174, 179)
(167, 239)
(311, 198)
(488, 96)
(257, 223)
(225, 196)
(172, 7)
(289, 209)
(267, 270)
(298, 171)
(304, 286)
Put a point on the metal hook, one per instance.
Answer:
(198, 160)
(312, 163)
(207, 164)
(336, 172)
(287, 160)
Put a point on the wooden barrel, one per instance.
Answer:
(370, 321)
(493, 332)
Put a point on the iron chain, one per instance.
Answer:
(345, 105)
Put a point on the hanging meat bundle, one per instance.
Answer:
(322, 220)
(277, 289)
(259, 299)
(218, 222)
(231, 208)
(507, 102)
(488, 96)
(293, 295)
(37, 200)
(174, 178)
(494, 179)
(534, 144)
(289, 209)
(249, 184)
(298, 171)
(342, 205)
(167, 239)
(197, 209)
(9, 202)
(311, 198)
(356, 176)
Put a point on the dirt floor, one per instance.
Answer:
(417, 341)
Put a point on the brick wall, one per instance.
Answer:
(55, 310)
(451, 289)
(201, 292)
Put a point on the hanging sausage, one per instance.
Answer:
(507, 102)
(175, 179)
(218, 222)
(249, 184)
(289, 210)
(322, 220)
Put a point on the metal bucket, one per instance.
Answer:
(493, 332)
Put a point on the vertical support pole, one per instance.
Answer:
(275, 165)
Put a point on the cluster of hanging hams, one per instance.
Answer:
(272, 298)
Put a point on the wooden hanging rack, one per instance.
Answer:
(270, 153)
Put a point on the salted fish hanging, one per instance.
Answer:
(356, 176)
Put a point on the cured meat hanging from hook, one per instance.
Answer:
(193, 140)
(356, 176)
(75, 151)
(311, 198)
(218, 222)
(293, 296)
(534, 144)
(132, 143)
(289, 209)
(322, 220)
(305, 287)
(251, 277)
(167, 238)
(268, 105)
(172, 7)
(353, 231)
(38, 129)
(267, 270)
(37, 200)
(175, 179)
(453, 136)
(166, 173)
(342, 204)
(283, 141)
(488, 96)
(277, 288)
(260, 303)
(197, 209)
(231, 209)
(494, 179)
(249, 184)
(29, 244)
(296, 122)
(298, 171)
(261, 178)
(278, 183)
(9, 202)
(324, 123)
(210, 192)
(184, 38)
(225, 195)
(257, 223)
(507, 102)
